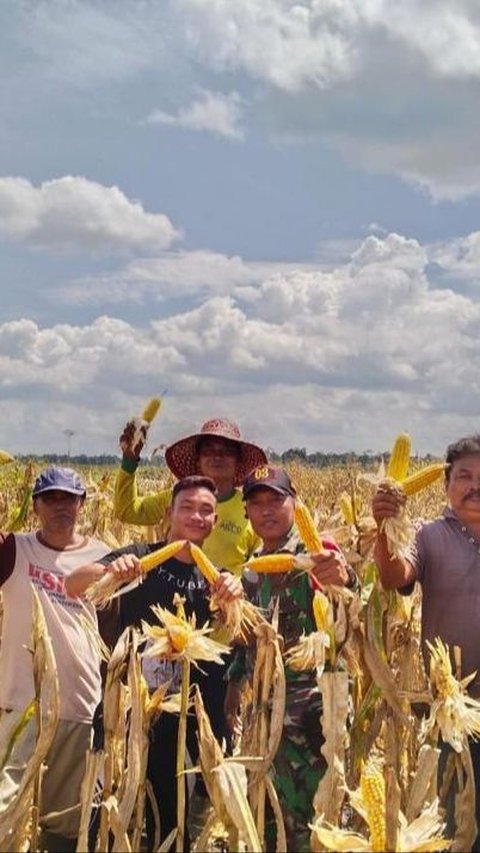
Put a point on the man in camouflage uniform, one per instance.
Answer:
(270, 500)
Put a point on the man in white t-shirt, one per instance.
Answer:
(43, 559)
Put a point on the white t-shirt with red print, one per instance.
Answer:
(77, 659)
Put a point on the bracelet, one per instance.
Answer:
(129, 465)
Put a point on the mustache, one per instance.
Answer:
(473, 493)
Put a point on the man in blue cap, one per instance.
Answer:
(43, 560)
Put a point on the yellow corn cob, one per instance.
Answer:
(306, 528)
(272, 563)
(372, 787)
(208, 570)
(179, 635)
(421, 479)
(320, 611)
(345, 504)
(5, 457)
(151, 409)
(400, 457)
(156, 558)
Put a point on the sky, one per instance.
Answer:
(268, 209)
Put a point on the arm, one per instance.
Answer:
(252, 541)
(125, 566)
(7, 556)
(395, 572)
(130, 508)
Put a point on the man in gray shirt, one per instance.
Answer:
(445, 560)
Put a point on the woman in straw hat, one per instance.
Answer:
(217, 451)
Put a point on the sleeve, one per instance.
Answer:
(7, 557)
(132, 509)
(252, 541)
(415, 555)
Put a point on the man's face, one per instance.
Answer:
(218, 457)
(270, 513)
(57, 511)
(463, 488)
(192, 515)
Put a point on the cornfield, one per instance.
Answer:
(379, 791)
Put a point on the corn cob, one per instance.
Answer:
(306, 529)
(320, 611)
(151, 409)
(400, 457)
(421, 479)
(272, 563)
(179, 636)
(208, 570)
(372, 787)
(346, 508)
(156, 558)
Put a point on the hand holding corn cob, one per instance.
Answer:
(389, 502)
(134, 435)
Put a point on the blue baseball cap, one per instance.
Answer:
(61, 480)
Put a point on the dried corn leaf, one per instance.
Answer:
(329, 796)
(17, 812)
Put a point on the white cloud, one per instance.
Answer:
(174, 275)
(377, 81)
(212, 111)
(73, 214)
(290, 44)
(328, 360)
(459, 257)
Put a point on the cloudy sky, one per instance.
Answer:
(269, 208)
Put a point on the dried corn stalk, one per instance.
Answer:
(226, 783)
(263, 728)
(330, 793)
(17, 821)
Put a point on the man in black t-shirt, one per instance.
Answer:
(192, 516)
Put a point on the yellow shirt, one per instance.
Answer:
(231, 541)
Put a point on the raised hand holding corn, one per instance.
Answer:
(134, 435)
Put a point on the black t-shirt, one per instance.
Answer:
(159, 587)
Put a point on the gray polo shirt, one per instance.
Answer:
(446, 559)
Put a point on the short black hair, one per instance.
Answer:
(458, 449)
(195, 481)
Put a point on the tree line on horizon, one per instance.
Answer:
(318, 459)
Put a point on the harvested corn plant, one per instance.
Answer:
(425, 833)
(178, 639)
(264, 724)
(226, 784)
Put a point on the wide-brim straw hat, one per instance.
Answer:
(182, 456)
